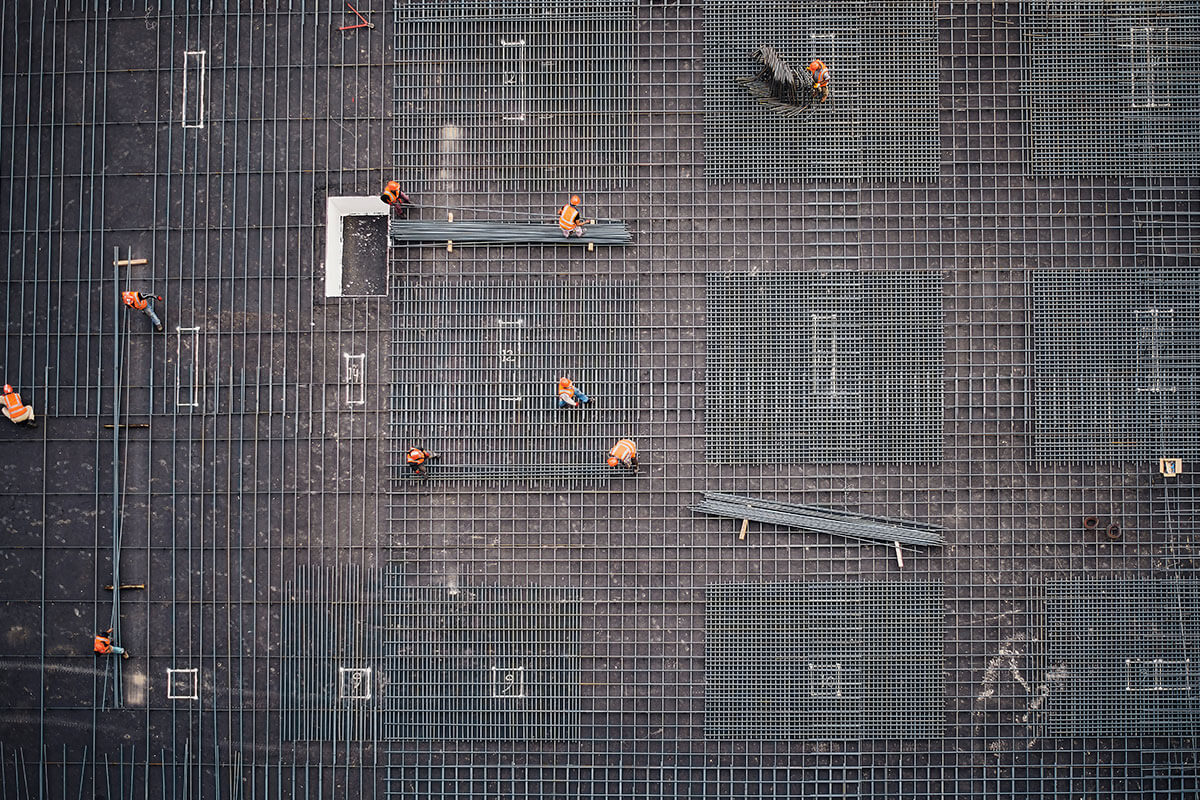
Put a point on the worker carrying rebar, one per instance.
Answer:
(396, 199)
(623, 454)
(416, 458)
(820, 79)
(569, 219)
(15, 410)
(139, 301)
(104, 646)
(571, 395)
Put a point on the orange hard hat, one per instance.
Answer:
(7, 389)
(612, 461)
(575, 200)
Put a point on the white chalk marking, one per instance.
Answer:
(514, 83)
(509, 338)
(195, 64)
(187, 360)
(354, 683)
(183, 684)
(1150, 59)
(508, 682)
(356, 378)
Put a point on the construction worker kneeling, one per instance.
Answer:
(16, 410)
(623, 455)
(416, 458)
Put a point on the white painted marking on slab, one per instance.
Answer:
(509, 356)
(354, 683)
(195, 65)
(355, 373)
(508, 682)
(336, 209)
(187, 367)
(513, 84)
(183, 684)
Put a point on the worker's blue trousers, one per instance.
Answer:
(580, 397)
(149, 312)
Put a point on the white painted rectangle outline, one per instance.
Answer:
(191, 397)
(824, 342)
(1153, 671)
(509, 358)
(194, 79)
(336, 208)
(1150, 56)
(193, 676)
(355, 375)
(513, 80)
(508, 682)
(354, 683)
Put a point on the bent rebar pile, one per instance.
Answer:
(417, 231)
(818, 519)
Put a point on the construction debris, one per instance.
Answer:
(819, 520)
(777, 85)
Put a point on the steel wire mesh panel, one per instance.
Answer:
(1123, 657)
(1111, 87)
(843, 366)
(882, 115)
(331, 634)
(1116, 364)
(823, 661)
(476, 368)
(503, 91)
(483, 663)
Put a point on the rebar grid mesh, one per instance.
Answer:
(1111, 87)
(506, 94)
(220, 501)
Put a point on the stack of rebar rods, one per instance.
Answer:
(819, 520)
(404, 232)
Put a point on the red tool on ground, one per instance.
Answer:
(363, 24)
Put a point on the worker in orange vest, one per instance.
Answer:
(144, 303)
(15, 410)
(569, 220)
(570, 395)
(623, 454)
(416, 458)
(104, 646)
(820, 76)
(395, 198)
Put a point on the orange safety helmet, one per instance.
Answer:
(575, 200)
(7, 389)
(612, 461)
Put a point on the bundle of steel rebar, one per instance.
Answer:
(404, 232)
(818, 519)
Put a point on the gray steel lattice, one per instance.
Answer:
(858, 660)
(1116, 364)
(1123, 657)
(824, 366)
(332, 642)
(482, 663)
(475, 372)
(882, 116)
(503, 94)
(1111, 87)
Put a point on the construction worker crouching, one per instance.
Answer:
(569, 220)
(144, 303)
(395, 199)
(15, 410)
(104, 646)
(417, 457)
(623, 454)
(820, 76)
(570, 395)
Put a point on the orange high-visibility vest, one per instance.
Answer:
(13, 401)
(820, 73)
(392, 192)
(624, 450)
(566, 390)
(567, 217)
(134, 300)
(103, 645)
(416, 456)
